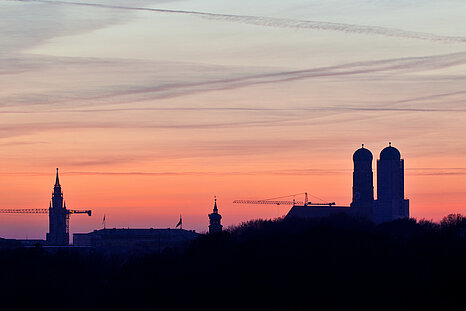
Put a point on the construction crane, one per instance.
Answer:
(40, 211)
(68, 212)
(278, 201)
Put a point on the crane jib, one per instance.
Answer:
(40, 211)
(25, 211)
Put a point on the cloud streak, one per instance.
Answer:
(244, 109)
(291, 172)
(279, 22)
(457, 171)
(165, 88)
(188, 173)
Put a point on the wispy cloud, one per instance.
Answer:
(208, 79)
(290, 172)
(279, 22)
(436, 171)
(187, 173)
(28, 128)
(21, 143)
(245, 109)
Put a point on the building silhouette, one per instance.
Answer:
(363, 181)
(215, 220)
(58, 218)
(390, 203)
(135, 240)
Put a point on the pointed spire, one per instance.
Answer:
(215, 205)
(57, 182)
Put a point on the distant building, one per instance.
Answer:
(320, 211)
(9, 243)
(363, 183)
(215, 220)
(135, 240)
(390, 203)
(58, 218)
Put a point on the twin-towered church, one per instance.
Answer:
(390, 203)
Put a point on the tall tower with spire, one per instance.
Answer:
(58, 217)
(215, 219)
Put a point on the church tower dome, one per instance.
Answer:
(363, 183)
(390, 153)
(215, 219)
(362, 154)
(391, 203)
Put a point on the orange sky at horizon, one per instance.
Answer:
(144, 199)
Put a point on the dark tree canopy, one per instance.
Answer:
(333, 263)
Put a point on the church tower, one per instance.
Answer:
(363, 182)
(215, 220)
(58, 218)
(391, 203)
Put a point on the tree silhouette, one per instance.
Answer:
(331, 263)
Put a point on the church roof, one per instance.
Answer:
(390, 153)
(362, 154)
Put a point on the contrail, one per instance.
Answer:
(430, 171)
(175, 89)
(349, 69)
(280, 22)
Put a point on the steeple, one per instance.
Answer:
(57, 181)
(58, 217)
(215, 205)
(57, 195)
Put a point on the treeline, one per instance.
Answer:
(333, 263)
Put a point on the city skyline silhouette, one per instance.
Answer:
(361, 181)
(298, 154)
(389, 205)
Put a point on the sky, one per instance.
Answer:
(151, 108)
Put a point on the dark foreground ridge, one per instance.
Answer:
(334, 263)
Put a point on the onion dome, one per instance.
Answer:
(390, 153)
(362, 154)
